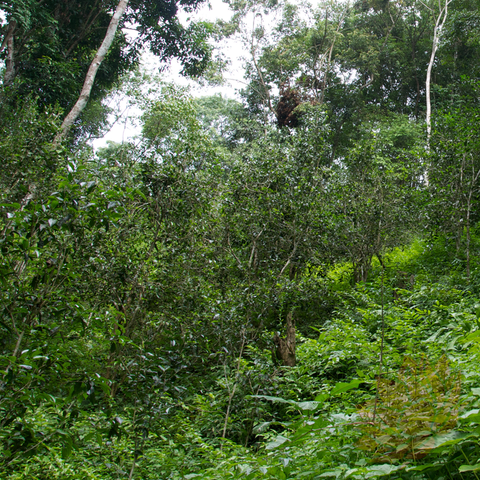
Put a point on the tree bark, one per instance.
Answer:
(92, 72)
(9, 33)
(286, 346)
(439, 22)
(9, 44)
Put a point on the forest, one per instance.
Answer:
(280, 285)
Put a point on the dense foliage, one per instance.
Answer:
(48, 47)
(283, 286)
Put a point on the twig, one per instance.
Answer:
(232, 393)
(382, 342)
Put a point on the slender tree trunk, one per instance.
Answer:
(428, 82)
(468, 233)
(329, 60)
(9, 44)
(231, 393)
(439, 22)
(9, 33)
(459, 195)
(92, 72)
(253, 52)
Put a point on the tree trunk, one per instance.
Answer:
(362, 269)
(9, 43)
(468, 234)
(439, 22)
(9, 33)
(92, 72)
(285, 347)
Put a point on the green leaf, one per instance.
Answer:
(420, 468)
(332, 473)
(66, 450)
(345, 387)
(473, 418)
(475, 411)
(308, 405)
(382, 470)
(469, 468)
(451, 438)
(280, 440)
(261, 427)
(275, 399)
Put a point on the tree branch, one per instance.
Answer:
(92, 72)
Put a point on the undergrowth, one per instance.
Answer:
(337, 414)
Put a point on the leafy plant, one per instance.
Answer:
(422, 401)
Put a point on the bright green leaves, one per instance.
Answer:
(173, 132)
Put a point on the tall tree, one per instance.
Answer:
(50, 45)
(92, 71)
(440, 16)
(374, 192)
(455, 172)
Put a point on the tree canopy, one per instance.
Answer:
(48, 46)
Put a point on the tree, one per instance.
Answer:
(374, 193)
(455, 171)
(51, 45)
(229, 123)
(111, 250)
(275, 225)
(92, 71)
(440, 20)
